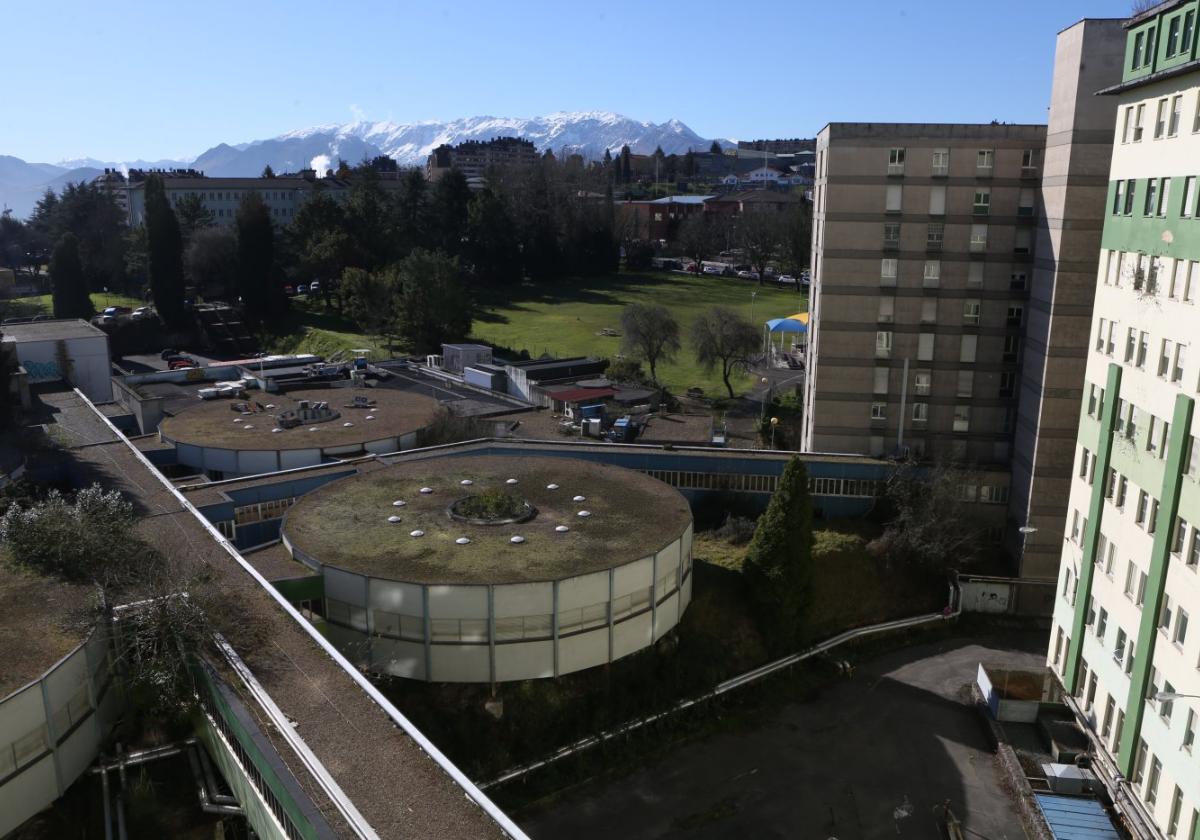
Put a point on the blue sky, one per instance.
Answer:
(118, 79)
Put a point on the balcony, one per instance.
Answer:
(940, 170)
(895, 169)
(891, 244)
(984, 171)
(1029, 172)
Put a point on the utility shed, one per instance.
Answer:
(459, 356)
(69, 349)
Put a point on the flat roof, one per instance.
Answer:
(211, 422)
(345, 523)
(48, 619)
(53, 330)
(366, 753)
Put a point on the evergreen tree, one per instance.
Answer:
(448, 212)
(262, 295)
(433, 305)
(70, 295)
(192, 215)
(626, 164)
(493, 246)
(369, 222)
(164, 256)
(715, 149)
(268, 172)
(411, 208)
(778, 565)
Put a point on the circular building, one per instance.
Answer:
(490, 568)
(271, 432)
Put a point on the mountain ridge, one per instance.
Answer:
(589, 133)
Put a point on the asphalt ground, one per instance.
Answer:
(872, 757)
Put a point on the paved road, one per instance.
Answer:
(870, 758)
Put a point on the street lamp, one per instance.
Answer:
(1168, 696)
(774, 423)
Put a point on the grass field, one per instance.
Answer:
(563, 319)
(27, 307)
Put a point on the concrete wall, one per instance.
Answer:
(51, 730)
(234, 462)
(500, 632)
(84, 362)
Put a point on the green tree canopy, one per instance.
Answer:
(450, 200)
(434, 305)
(371, 299)
(164, 255)
(69, 291)
(192, 215)
(211, 262)
(778, 565)
(493, 247)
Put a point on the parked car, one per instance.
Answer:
(102, 319)
(43, 317)
(117, 310)
(785, 280)
(16, 320)
(690, 267)
(143, 312)
(712, 269)
(289, 290)
(181, 362)
(748, 275)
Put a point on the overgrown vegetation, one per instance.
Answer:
(492, 504)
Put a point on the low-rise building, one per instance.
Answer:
(69, 350)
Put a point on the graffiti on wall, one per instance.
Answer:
(43, 371)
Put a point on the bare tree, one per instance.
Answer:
(723, 339)
(699, 237)
(649, 333)
(932, 521)
(759, 234)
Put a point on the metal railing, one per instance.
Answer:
(952, 610)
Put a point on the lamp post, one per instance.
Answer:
(1168, 696)
(753, 295)
(774, 423)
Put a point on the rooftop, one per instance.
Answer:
(366, 753)
(63, 328)
(346, 523)
(55, 608)
(212, 423)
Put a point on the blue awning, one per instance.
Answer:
(1075, 818)
(786, 325)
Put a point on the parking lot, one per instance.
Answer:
(872, 757)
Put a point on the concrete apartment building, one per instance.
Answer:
(474, 157)
(923, 238)
(1130, 572)
(1074, 181)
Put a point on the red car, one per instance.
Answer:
(181, 362)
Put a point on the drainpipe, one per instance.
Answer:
(121, 834)
(107, 808)
(206, 805)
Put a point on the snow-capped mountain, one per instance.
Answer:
(588, 133)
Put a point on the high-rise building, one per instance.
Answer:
(1088, 57)
(923, 238)
(1129, 584)
(475, 157)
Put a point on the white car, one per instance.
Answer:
(712, 269)
(748, 275)
(785, 280)
(142, 312)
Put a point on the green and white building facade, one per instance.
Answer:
(1127, 618)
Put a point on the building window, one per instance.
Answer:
(1181, 627)
(967, 349)
(1176, 116)
(883, 345)
(983, 202)
(1189, 730)
(966, 383)
(1028, 159)
(1176, 809)
(878, 411)
(891, 235)
(1188, 203)
(1025, 202)
(1127, 126)
(925, 347)
(937, 201)
(1140, 512)
(1177, 363)
(975, 274)
(1143, 349)
(933, 273)
(1022, 241)
(1193, 556)
(1160, 119)
(1012, 348)
(920, 412)
(1189, 26)
(941, 164)
(1018, 281)
(935, 235)
(1151, 203)
(1110, 706)
(1173, 37)
(895, 162)
(962, 418)
(978, 238)
(1163, 198)
(881, 380)
(984, 161)
(1101, 624)
(887, 310)
(895, 198)
(929, 311)
(921, 383)
(971, 312)
(1152, 781)
(887, 271)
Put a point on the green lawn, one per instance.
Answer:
(563, 318)
(27, 307)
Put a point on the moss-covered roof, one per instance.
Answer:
(345, 523)
(211, 423)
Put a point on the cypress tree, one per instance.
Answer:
(778, 565)
(164, 255)
(69, 290)
(262, 296)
